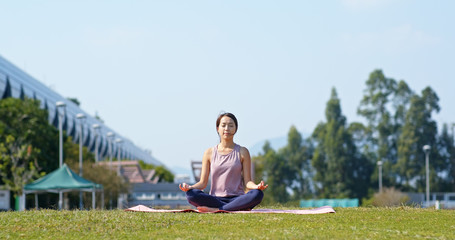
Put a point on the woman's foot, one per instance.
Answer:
(207, 209)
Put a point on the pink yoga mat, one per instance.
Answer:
(320, 210)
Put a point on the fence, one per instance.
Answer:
(346, 202)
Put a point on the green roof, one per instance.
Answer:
(61, 179)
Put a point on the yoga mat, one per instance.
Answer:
(320, 210)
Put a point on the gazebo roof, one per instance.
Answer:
(62, 179)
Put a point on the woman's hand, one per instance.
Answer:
(262, 186)
(184, 187)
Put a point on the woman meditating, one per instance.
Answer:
(229, 166)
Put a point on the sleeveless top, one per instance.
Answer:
(226, 173)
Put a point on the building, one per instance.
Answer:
(446, 199)
(18, 84)
(132, 171)
(163, 195)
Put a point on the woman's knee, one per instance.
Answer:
(192, 193)
(258, 194)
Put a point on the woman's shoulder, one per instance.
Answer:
(208, 151)
(244, 150)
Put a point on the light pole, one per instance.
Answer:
(60, 106)
(96, 128)
(81, 117)
(380, 176)
(119, 142)
(110, 136)
(427, 149)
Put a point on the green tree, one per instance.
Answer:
(18, 164)
(25, 121)
(276, 171)
(259, 161)
(340, 170)
(383, 95)
(297, 154)
(113, 185)
(164, 174)
(445, 182)
(75, 101)
(446, 148)
(419, 130)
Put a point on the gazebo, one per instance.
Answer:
(63, 180)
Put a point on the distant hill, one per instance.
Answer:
(275, 143)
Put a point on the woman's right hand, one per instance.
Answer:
(184, 187)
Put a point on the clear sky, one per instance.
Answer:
(159, 72)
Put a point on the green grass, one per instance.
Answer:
(347, 223)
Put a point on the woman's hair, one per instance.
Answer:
(230, 115)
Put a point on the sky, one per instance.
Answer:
(159, 72)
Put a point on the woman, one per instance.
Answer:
(229, 166)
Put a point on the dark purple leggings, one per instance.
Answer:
(247, 201)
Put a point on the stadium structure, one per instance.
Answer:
(96, 135)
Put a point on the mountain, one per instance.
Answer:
(275, 143)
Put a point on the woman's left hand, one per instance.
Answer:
(262, 186)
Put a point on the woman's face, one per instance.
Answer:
(227, 127)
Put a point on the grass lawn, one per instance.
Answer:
(347, 223)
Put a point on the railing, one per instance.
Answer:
(346, 202)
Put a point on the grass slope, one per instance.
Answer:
(347, 223)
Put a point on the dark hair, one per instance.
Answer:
(230, 115)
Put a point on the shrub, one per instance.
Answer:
(389, 197)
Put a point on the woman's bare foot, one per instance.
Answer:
(207, 209)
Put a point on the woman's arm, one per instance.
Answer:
(246, 163)
(202, 184)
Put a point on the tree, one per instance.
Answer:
(259, 161)
(297, 154)
(273, 169)
(163, 174)
(28, 143)
(340, 170)
(382, 94)
(75, 101)
(113, 185)
(276, 171)
(446, 148)
(419, 130)
(25, 121)
(18, 164)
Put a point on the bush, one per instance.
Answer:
(389, 197)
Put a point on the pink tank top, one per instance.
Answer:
(226, 173)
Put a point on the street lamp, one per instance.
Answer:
(61, 114)
(110, 136)
(380, 176)
(427, 149)
(81, 117)
(60, 105)
(96, 128)
(119, 142)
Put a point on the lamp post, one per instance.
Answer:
(96, 128)
(81, 117)
(60, 106)
(427, 149)
(380, 176)
(110, 136)
(119, 142)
